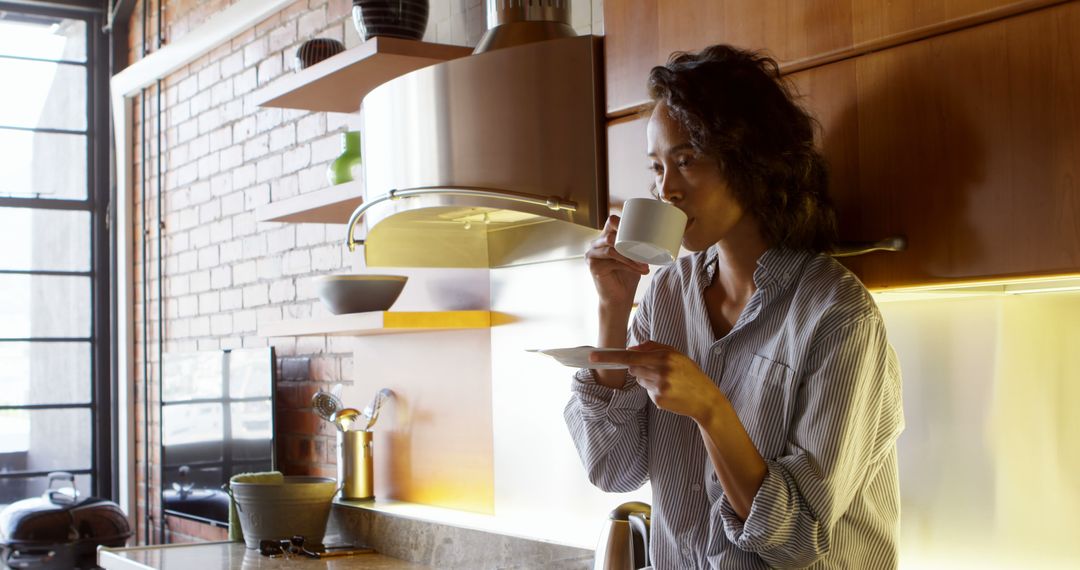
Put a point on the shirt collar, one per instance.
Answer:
(777, 267)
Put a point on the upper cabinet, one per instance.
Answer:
(965, 142)
(643, 33)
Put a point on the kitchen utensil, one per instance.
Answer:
(344, 418)
(371, 412)
(624, 542)
(355, 463)
(58, 530)
(325, 404)
(578, 356)
(359, 293)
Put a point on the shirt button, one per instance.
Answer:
(695, 487)
(686, 551)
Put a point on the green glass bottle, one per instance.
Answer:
(346, 167)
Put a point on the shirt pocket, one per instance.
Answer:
(771, 408)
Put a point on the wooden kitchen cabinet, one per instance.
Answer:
(967, 143)
(642, 33)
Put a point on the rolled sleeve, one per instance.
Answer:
(609, 429)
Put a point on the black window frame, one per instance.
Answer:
(100, 194)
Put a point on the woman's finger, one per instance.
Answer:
(609, 253)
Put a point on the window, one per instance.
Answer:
(54, 265)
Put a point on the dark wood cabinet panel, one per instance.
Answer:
(967, 143)
(643, 33)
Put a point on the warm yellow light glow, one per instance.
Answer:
(986, 288)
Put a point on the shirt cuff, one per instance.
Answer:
(773, 506)
(598, 400)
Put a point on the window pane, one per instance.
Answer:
(44, 373)
(252, 420)
(49, 96)
(34, 239)
(250, 373)
(42, 165)
(192, 423)
(19, 488)
(191, 376)
(45, 440)
(42, 37)
(37, 306)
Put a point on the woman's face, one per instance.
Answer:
(690, 181)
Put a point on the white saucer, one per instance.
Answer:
(578, 357)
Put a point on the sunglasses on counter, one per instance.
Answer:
(285, 547)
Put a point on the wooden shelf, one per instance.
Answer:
(379, 323)
(339, 83)
(333, 205)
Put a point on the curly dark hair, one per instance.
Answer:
(739, 111)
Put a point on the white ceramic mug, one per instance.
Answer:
(650, 231)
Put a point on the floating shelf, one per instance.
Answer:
(333, 205)
(379, 323)
(339, 83)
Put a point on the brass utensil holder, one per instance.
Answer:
(355, 465)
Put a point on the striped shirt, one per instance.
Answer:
(813, 379)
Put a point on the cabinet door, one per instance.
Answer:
(643, 33)
(968, 144)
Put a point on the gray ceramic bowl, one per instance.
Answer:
(359, 293)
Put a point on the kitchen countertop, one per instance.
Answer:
(234, 556)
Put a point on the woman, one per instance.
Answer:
(761, 399)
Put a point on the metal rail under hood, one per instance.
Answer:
(486, 161)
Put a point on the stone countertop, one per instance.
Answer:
(234, 556)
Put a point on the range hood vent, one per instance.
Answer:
(491, 160)
(517, 22)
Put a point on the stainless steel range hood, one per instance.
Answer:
(487, 161)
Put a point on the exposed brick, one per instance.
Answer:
(208, 257)
(244, 272)
(256, 196)
(243, 321)
(209, 303)
(295, 159)
(269, 267)
(255, 51)
(210, 75)
(311, 126)
(231, 298)
(221, 277)
(282, 291)
(326, 257)
(268, 168)
(281, 239)
(200, 281)
(311, 22)
(243, 176)
(282, 137)
(326, 148)
(256, 148)
(285, 187)
(309, 234)
(297, 262)
(232, 250)
(256, 295)
(282, 36)
(313, 179)
(221, 324)
(232, 64)
(269, 69)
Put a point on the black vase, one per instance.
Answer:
(396, 18)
